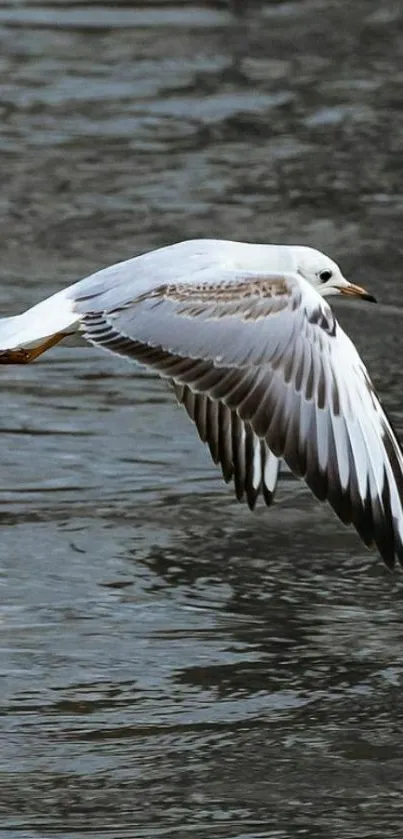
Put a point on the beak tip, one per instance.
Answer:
(357, 291)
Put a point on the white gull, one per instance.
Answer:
(256, 356)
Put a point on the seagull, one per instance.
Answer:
(244, 335)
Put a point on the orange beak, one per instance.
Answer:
(356, 291)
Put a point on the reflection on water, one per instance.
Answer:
(171, 663)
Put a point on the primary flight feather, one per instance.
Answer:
(254, 353)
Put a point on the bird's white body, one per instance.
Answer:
(258, 360)
(186, 263)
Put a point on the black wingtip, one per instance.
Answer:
(268, 496)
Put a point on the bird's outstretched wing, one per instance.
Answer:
(268, 347)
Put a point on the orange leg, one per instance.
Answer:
(25, 356)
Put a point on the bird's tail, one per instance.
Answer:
(25, 336)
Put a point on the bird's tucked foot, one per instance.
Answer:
(25, 356)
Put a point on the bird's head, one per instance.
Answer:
(325, 275)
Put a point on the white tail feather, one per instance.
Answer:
(51, 316)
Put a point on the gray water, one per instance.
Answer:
(171, 664)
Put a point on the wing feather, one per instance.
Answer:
(242, 455)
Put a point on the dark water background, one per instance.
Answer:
(171, 664)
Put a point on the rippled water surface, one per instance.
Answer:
(171, 664)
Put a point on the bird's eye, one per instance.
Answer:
(325, 275)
